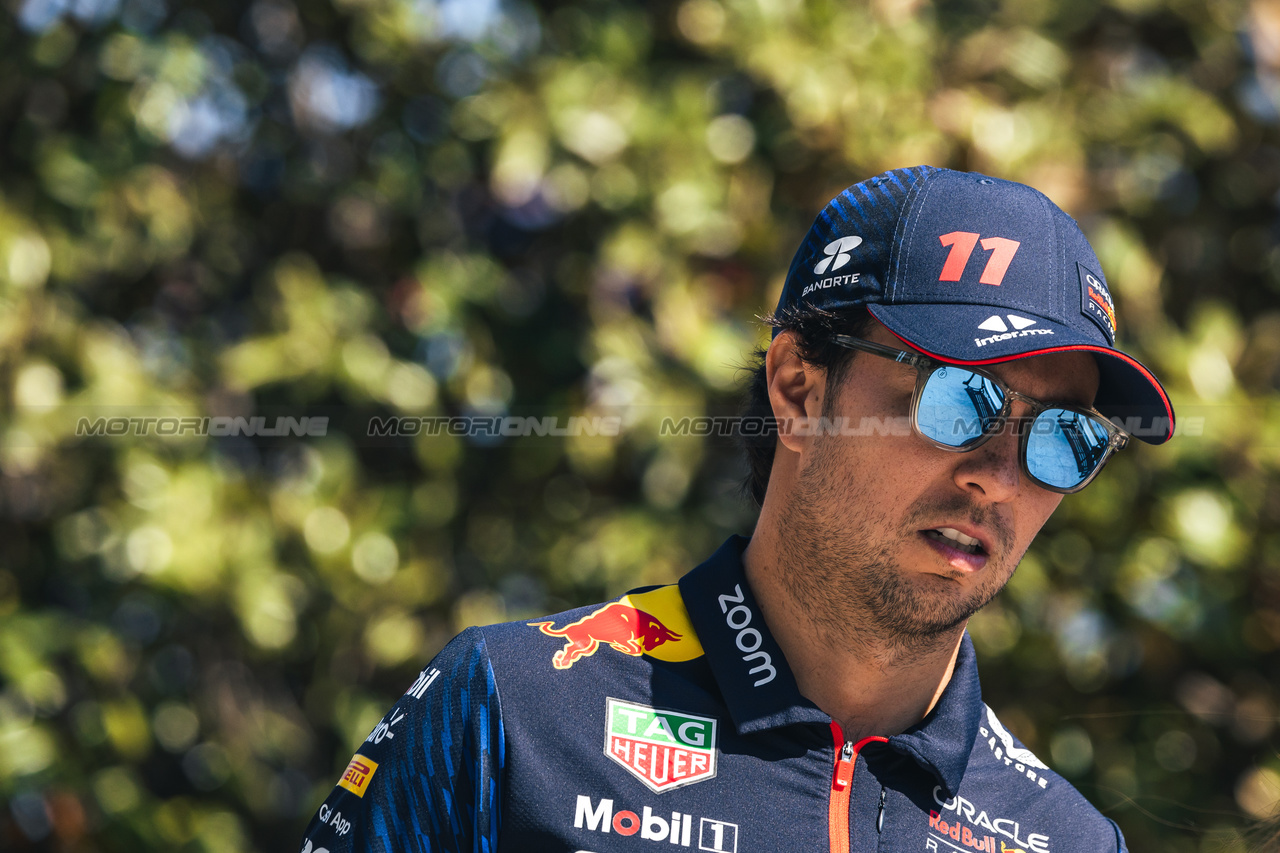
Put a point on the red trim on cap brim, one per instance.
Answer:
(1127, 359)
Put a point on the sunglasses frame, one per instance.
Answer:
(925, 367)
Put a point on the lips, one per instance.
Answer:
(960, 550)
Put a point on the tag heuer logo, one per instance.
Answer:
(663, 749)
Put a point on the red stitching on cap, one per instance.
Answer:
(1127, 359)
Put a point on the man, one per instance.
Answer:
(941, 339)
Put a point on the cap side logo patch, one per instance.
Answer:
(1096, 304)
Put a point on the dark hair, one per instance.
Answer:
(814, 329)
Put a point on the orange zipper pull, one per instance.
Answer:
(844, 767)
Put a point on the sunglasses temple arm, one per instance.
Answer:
(902, 356)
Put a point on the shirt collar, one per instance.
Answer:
(758, 686)
(943, 741)
(760, 690)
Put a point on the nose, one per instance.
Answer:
(991, 472)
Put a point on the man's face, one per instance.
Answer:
(867, 529)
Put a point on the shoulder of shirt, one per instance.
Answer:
(649, 622)
(1022, 783)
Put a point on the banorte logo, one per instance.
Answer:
(654, 623)
(837, 254)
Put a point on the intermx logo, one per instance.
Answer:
(837, 254)
(716, 836)
(995, 324)
(1021, 328)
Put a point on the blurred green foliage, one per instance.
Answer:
(358, 208)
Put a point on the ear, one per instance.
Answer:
(795, 390)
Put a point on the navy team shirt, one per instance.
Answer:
(668, 720)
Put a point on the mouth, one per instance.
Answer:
(963, 552)
(954, 538)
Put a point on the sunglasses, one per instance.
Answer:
(1062, 447)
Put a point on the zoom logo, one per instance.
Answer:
(837, 253)
(748, 640)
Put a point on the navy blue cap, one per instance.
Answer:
(970, 269)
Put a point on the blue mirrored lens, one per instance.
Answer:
(956, 406)
(1065, 447)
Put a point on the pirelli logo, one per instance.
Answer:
(357, 775)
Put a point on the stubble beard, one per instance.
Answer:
(837, 561)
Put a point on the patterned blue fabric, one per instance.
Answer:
(440, 752)
(869, 209)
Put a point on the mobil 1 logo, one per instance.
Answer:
(603, 816)
(717, 836)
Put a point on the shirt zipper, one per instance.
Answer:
(842, 786)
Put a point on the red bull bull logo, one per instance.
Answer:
(1104, 305)
(1096, 302)
(653, 623)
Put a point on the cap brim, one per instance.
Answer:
(1128, 392)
